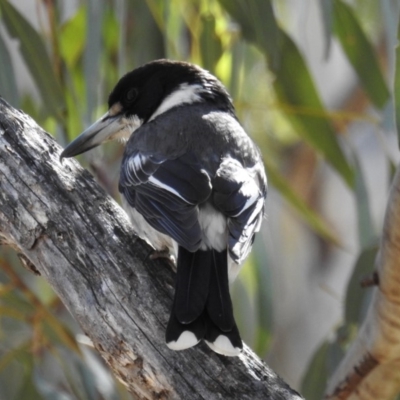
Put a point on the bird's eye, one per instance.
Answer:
(131, 95)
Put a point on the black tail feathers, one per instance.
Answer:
(202, 307)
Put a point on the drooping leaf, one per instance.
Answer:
(243, 307)
(258, 24)
(111, 31)
(302, 105)
(34, 52)
(48, 389)
(396, 90)
(16, 301)
(210, 43)
(73, 37)
(366, 230)
(264, 296)
(8, 85)
(11, 312)
(355, 293)
(326, 11)
(360, 53)
(56, 331)
(313, 385)
(293, 84)
(92, 55)
(151, 25)
(335, 352)
(12, 354)
(74, 121)
(310, 216)
(28, 389)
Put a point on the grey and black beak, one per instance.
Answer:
(101, 131)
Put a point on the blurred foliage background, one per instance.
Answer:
(312, 84)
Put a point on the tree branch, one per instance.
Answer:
(81, 242)
(370, 367)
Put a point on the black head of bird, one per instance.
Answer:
(192, 182)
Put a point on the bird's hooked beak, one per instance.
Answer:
(110, 126)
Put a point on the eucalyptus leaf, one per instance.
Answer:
(295, 90)
(19, 302)
(366, 230)
(243, 305)
(28, 389)
(150, 26)
(92, 55)
(314, 382)
(396, 90)
(259, 26)
(334, 356)
(8, 85)
(12, 354)
(34, 52)
(300, 102)
(263, 294)
(355, 293)
(73, 37)
(360, 53)
(48, 389)
(57, 332)
(210, 43)
(311, 217)
(326, 7)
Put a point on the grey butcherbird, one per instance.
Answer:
(192, 182)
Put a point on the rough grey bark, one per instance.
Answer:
(82, 243)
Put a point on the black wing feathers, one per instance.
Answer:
(167, 192)
(237, 195)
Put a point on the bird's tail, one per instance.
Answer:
(202, 306)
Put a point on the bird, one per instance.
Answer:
(193, 184)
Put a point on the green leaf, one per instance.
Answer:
(74, 121)
(294, 87)
(257, 20)
(210, 43)
(72, 37)
(314, 382)
(366, 230)
(92, 55)
(335, 352)
(28, 389)
(264, 297)
(49, 389)
(17, 301)
(8, 85)
(244, 307)
(111, 32)
(34, 52)
(301, 104)
(13, 354)
(11, 312)
(326, 10)
(311, 218)
(397, 85)
(355, 293)
(57, 332)
(360, 53)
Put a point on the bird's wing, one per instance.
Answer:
(166, 192)
(239, 193)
